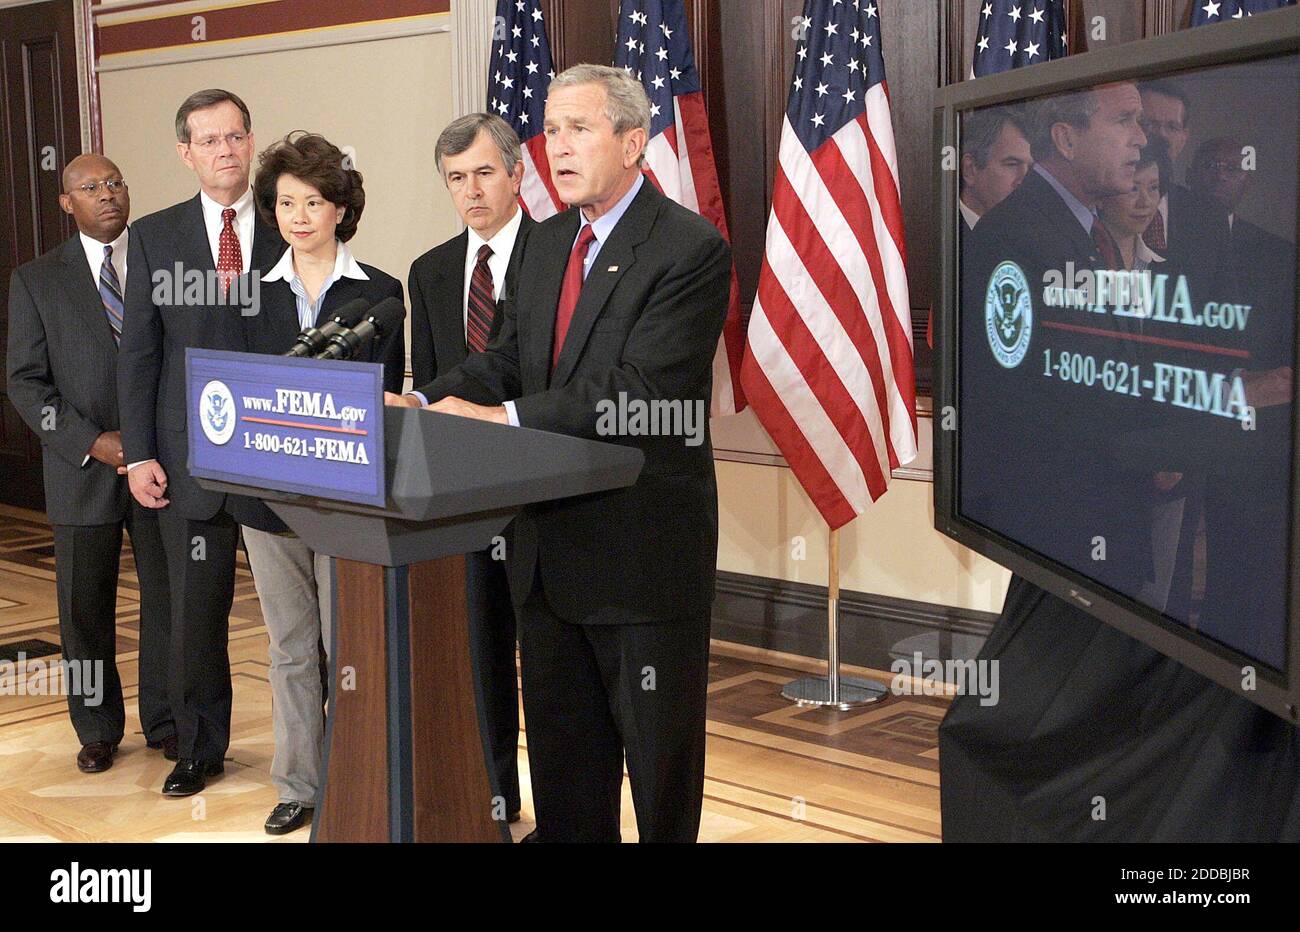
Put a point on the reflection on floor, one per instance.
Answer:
(774, 772)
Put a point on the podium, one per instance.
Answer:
(406, 755)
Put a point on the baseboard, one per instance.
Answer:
(790, 617)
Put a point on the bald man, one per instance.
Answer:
(65, 321)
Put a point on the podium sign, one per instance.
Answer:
(315, 427)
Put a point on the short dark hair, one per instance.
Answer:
(318, 162)
(981, 130)
(1169, 89)
(202, 100)
(1156, 152)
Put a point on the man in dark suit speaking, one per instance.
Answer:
(455, 288)
(185, 263)
(65, 320)
(622, 305)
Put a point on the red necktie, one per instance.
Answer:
(230, 262)
(1155, 234)
(1106, 246)
(481, 307)
(570, 291)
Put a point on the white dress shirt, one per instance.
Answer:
(968, 214)
(503, 247)
(345, 266)
(95, 256)
(243, 225)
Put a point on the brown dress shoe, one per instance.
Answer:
(95, 757)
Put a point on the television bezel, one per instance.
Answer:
(1262, 36)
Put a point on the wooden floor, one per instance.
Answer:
(774, 772)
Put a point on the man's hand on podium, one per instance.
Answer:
(457, 406)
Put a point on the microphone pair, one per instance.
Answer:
(353, 326)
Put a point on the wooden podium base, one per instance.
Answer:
(405, 753)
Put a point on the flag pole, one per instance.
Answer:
(835, 691)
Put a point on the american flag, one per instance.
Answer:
(1207, 11)
(828, 365)
(518, 77)
(653, 44)
(1013, 33)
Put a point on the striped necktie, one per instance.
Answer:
(110, 292)
(481, 308)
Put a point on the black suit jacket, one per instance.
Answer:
(151, 361)
(62, 357)
(273, 329)
(437, 288)
(645, 328)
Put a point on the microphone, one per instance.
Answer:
(312, 340)
(381, 320)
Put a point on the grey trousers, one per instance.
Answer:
(293, 584)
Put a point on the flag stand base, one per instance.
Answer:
(815, 691)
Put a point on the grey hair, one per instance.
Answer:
(626, 105)
(202, 100)
(461, 133)
(1075, 108)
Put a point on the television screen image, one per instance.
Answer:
(1121, 345)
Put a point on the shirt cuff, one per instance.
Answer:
(131, 466)
(511, 416)
(419, 396)
(85, 460)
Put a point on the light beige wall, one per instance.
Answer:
(892, 549)
(387, 99)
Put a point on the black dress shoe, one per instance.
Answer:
(186, 777)
(286, 817)
(167, 746)
(95, 757)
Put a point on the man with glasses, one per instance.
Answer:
(216, 232)
(65, 321)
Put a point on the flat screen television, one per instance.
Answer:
(1115, 337)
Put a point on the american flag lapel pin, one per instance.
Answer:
(612, 268)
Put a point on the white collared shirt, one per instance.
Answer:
(1144, 255)
(968, 214)
(503, 246)
(95, 256)
(345, 266)
(243, 225)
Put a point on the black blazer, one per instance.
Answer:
(647, 326)
(273, 329)
(62, 357)
(151, 361)
(437, 288)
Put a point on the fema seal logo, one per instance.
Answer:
(1008, 314)
(217, 412)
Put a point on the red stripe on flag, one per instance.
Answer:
(835, 509)
(830, 392)
(831, 281)
(537, 149)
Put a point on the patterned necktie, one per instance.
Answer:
(570, 290)
(1155, 234)
(110, 292)
(481, 306)
(230, 261)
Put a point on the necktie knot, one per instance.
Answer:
(228, 217)
(585, 237)
(484, 253)
(108, 252)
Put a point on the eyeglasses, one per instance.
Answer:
(114, 186)
(210, 143)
